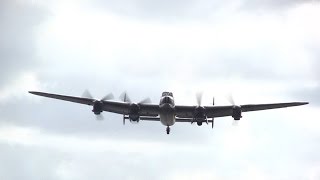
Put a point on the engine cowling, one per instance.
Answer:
(236, 113)
(199, 115)
(200, 112)
(97, 107)
(134, 113)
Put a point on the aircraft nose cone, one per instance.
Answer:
(166, 107)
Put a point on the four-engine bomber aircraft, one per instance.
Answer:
(166, 111)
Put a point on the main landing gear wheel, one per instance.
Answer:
(168, 130)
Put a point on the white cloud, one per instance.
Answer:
(260, 56)
(313, 173)
(100, 39)
(204, 175)
(81, 144)
(20, 87)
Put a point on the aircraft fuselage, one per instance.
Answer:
(167, 109)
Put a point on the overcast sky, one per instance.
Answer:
(260, 51)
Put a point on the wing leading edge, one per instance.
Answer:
(183, 113)
(80, 100)
(109, 106)
(228, 110)
(222, 111)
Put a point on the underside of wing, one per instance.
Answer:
(128, 108)
(185, 111)
(221, 111)
(258, 107)
(124, 108)
(149, 109)
(146, 118)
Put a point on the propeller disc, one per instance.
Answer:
(231, 99)
(87, 94)
(145, 101)
(199, 98)
(124, 97)
(99, 117)
(235, 123)
(108, 97)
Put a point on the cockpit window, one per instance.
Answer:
(167, 94)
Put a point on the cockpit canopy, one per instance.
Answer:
(167, 100)
(167, 94)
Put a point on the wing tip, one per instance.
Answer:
(36, 93)
(33, 92)
(304, 103)
(301, 103)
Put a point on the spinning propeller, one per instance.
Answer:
(125, 98)
(236, 109)
(97, 103)
(199, 98)
(201, 108)
(87, 94)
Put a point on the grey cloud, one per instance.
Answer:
(291, 153)
(311, 94)
(281, 146)
(23, 162)
(148, 9)
(32, 162)
(67, 118)
(18, 21)
(272, 4)
(186, 10)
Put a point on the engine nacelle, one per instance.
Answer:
(97, 107)
(134, 113)
(236, 112)
(200, 113)
(134, 117)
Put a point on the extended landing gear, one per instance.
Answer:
(168, 130)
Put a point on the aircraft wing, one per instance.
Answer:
(74, 99)
(222, 111)
(110, 106)
(183, 113)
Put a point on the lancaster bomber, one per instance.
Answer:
(167, 112)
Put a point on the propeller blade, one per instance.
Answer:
(124, 97)
(87, 94)
(199, 98)
(235, 123)
(99, 117)
(212, 123)
(145, 101)
(108, 97)
(231, 100)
